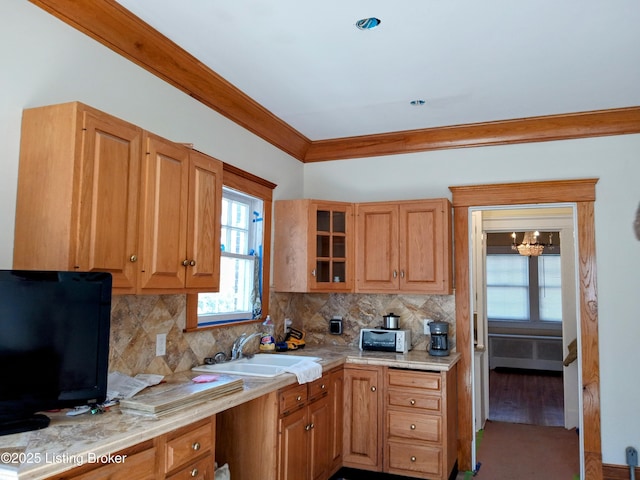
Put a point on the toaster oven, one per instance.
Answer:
(382, 340)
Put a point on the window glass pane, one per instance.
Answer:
(235, 294)
(240, 263)
(550, 288)
(507, 287)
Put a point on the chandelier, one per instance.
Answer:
(530, 245)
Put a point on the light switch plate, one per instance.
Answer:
(161, 344)
(426, 323)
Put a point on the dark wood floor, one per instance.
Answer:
(526, 396)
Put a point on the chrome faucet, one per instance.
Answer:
(239, 343)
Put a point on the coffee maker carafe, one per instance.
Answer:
(439, 344)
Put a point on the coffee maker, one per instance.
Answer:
(439, 344)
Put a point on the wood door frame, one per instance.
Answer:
(582, 193)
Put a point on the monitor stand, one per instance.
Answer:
(36, 421)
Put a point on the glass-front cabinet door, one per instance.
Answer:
(331, 252)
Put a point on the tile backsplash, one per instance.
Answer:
(136, 320)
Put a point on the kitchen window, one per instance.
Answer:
(244, 256)
(523, 289)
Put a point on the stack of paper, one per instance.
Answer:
(168, 397)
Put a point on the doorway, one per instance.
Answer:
(582, 193)
(531, 344)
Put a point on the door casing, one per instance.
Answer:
(582, 193)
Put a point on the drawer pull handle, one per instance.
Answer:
(412, 402)
(298, 398)
(413, 459)
(194, 472)
(373, 389)
(413, 426)
(196, 446)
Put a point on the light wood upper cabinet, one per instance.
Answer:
(203, 223)
(313, 249)
(182, 195)
(77, 202)
(404, 246)
(96, 193)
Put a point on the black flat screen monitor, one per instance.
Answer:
(54, 344)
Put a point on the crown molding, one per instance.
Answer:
(534, 129)
(107, 22)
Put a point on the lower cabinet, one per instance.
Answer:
(136, 463)
(362, 439)
(420, 423)
(400, 421)
(292, 434)
(186, 453)
(189, 452)
(308, 429)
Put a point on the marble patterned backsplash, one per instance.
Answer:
(136, 320)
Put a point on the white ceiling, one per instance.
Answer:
(471, 61)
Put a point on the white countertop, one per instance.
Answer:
(71, 441)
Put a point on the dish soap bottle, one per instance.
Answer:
(267, 342)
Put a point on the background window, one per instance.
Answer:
(523, 289)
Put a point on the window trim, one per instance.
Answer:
(238, 179)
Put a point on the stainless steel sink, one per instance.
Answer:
(260, 365)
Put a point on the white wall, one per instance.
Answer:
(44, 61)
(614, 160)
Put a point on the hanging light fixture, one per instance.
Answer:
(530, 246)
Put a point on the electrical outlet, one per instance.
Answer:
(426, 323)
(161, 344)
(632, 457)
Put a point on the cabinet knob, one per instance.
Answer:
(413, 459)
(413, 427)
(133, 258)
(298, 398)
(412, 401)
(313, 272)
(185, 263)
(196, 446)
(373, 389)
(307, 427)
(322, 387)
(401, 273)
(192, 263)
(395, 274)
(194, 472)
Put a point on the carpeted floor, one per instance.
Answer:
(510, 451)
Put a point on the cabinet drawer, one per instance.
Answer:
(410, 378)
(404, 458)
(292, 398)
(188, 446)
(202, 469)
(319, 387)
(414, 426)
(404, 398)
(139, 466)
